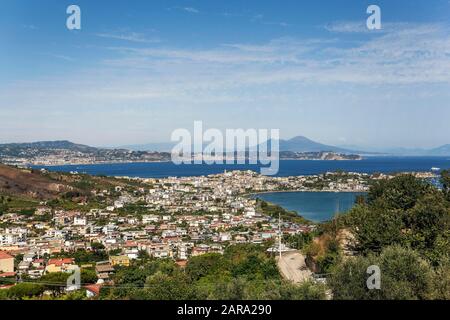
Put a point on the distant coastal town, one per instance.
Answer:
(59, 153)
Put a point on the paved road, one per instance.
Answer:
(293, 267)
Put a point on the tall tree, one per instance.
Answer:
(404, 276)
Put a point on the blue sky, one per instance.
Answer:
(137, 70)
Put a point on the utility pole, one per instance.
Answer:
(279, 233)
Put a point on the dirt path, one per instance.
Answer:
(293, 267)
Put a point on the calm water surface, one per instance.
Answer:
(287, 167)
(314, 206)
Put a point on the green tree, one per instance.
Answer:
(143, 255)
(3, 295)
(401, 192)
(298, 241)
(25, 290)
(137, 274)
(163, 287)
(88, 276)
(331, 257)
(305, 291)
(445, 180)
(204, 265)
(74, 295)
(442, 280)
(375, 227)
(3, 208)
(56, 282)
(427, 221)
(404, 276)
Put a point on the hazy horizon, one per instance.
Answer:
(161, 144)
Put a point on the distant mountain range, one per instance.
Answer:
(298, 144)
(66, 152)
(442, 151)
(159, 151)
(303, 144)
(15, 149)
(49, 147)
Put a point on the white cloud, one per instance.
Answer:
(132, 37)
(191, 10)
(186, 9)
(347, 27)
(280, 24)
(411, 54)
(61, 57)
(409, 63)
(30, 26)
(361, 27)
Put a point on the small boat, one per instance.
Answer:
(435, 169)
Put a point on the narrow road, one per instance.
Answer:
(293, 267)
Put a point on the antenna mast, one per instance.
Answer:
(279, 233)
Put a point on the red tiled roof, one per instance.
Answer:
(4, 255)
(60, 262)
(131, 243)
(7, 274)
(94, 288)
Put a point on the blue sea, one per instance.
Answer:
(287, 167)
(314, 206)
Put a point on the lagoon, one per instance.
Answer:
(314, 206)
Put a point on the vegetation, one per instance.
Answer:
(275, 211)
(405, 276)
(404, 228)
(445, 180)
(298, 241)
(242, 272)
(403, 211)
(84, 256)
(24, 290)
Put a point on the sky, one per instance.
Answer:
(138, 70)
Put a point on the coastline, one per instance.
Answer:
(38, 164)
(315, 219)
(290, 169)
(304, 191)
(92, 163)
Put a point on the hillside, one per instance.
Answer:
(441, 151)
(27, 149)
(297, 144)
(32, 184)
(303, 144)
(66, 152)
(29, 184)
